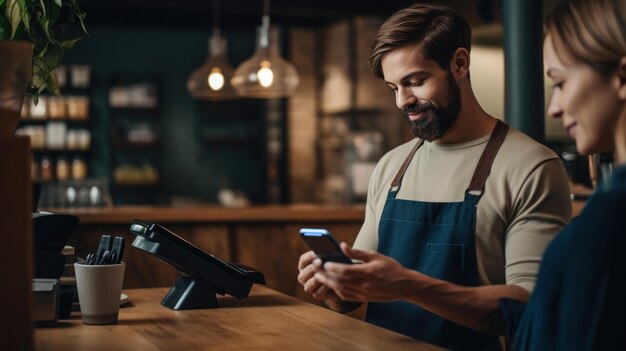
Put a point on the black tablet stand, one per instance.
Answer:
(203, 275)
(190, 293)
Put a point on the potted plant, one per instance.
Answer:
(32, 41)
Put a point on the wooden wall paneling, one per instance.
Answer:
(272, 250)
(16, 249)
(302, 116)
(214, 239)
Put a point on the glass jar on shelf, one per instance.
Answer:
(72, 139)
(55, 135)
(39, 110)
(78, 107)
(57, 107)
(80, 76)
(63, 169)
(83, 139)
(61, 75)
(79, 169)
(45, 168)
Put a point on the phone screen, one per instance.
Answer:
(324, 245)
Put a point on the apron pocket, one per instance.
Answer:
(446, 262)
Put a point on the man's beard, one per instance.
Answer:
(436, 120)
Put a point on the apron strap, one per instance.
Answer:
(405, 165)
(483, 168)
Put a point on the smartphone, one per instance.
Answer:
(324, 245)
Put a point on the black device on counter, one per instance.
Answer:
(324, 245)
(51, 233)
(202, 274)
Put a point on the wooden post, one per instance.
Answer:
(16, 245)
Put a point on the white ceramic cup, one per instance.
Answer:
(99, 291)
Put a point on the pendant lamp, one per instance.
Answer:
(266, 75)
(211, 81)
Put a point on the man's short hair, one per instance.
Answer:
(440, 29)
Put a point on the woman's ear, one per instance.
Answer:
(620, 79)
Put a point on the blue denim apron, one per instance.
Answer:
(439, 240)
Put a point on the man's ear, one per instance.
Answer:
(620, 79)
(459, 66)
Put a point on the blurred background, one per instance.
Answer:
(132, 127)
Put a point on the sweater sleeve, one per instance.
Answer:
(541, 208)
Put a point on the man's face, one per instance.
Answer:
(429, 96)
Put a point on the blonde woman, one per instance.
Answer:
(580, 298)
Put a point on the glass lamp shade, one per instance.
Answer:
(211, 81)
(266, 75)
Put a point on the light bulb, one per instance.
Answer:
(211, 80)
(216, 79)
(265, 74)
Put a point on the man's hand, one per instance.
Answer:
(378, 278)
(308, 265)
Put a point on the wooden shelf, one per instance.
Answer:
(61, 151)
(126, 146)
(230, 140)
(70, 121)
(356, 112)
(68, 181)
(137, 186)
(130, 109)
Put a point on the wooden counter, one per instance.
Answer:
(267, 320)
(263, 237)
(217, 214)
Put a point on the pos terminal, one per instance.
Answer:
(202, 274)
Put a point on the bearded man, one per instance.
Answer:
(457, 218)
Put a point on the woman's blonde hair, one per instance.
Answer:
(592, 31)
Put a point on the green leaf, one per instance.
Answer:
(55, 53)
(68, 44)
(25, 14)
(44, 23)
(13, 12)
(51, 83)
(55, 12)
(38, 79)
(5, 26)
(81, 19)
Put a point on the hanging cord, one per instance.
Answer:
(215, 46)
(216, 17)
(265, 26)
(266, 8)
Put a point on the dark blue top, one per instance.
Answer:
(579, 302)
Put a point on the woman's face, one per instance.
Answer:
(587, 102)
